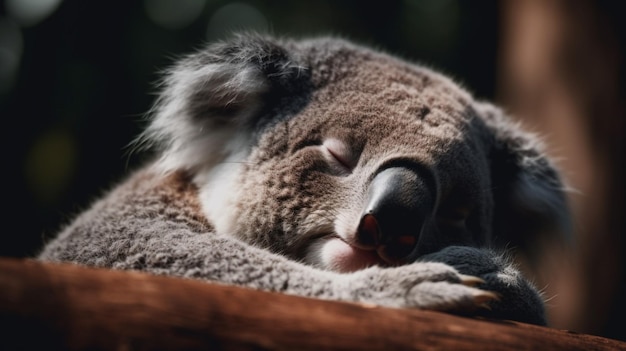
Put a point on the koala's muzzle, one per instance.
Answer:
(398, 205)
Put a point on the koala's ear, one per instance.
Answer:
(214, 101)
(530, 206)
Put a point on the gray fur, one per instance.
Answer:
(248, 188)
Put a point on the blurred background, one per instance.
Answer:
(76, 78)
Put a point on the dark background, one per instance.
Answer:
(77, 77)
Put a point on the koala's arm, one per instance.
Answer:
(518, 299)
(153, 224)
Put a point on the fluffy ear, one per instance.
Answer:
(215, 101)
(530, 205)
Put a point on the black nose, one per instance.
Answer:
(399, 202)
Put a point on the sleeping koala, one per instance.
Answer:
(324, 169)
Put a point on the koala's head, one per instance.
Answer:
(343, 157)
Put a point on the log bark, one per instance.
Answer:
(68, 307)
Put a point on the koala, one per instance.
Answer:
(325, 169)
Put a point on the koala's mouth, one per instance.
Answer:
(333, 253)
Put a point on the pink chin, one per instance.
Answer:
(338, 256)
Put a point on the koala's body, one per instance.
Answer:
(324, 169)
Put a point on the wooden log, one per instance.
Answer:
(67, 307)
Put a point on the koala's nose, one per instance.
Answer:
(399, 202)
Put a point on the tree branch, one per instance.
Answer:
(55, 306)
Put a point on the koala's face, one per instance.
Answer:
(343, 158)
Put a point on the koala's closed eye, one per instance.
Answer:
(338, 153)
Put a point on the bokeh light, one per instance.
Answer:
(30, 12)
(234, 17)
(174, 14)
(50, 164)
(436, 22)
(11, 45)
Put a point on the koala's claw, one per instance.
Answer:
(470, 280)
(483, 297)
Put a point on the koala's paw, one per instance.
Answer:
(433, 286)
(518, 299)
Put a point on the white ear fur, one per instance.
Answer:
(222, 95)
(189, 139)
